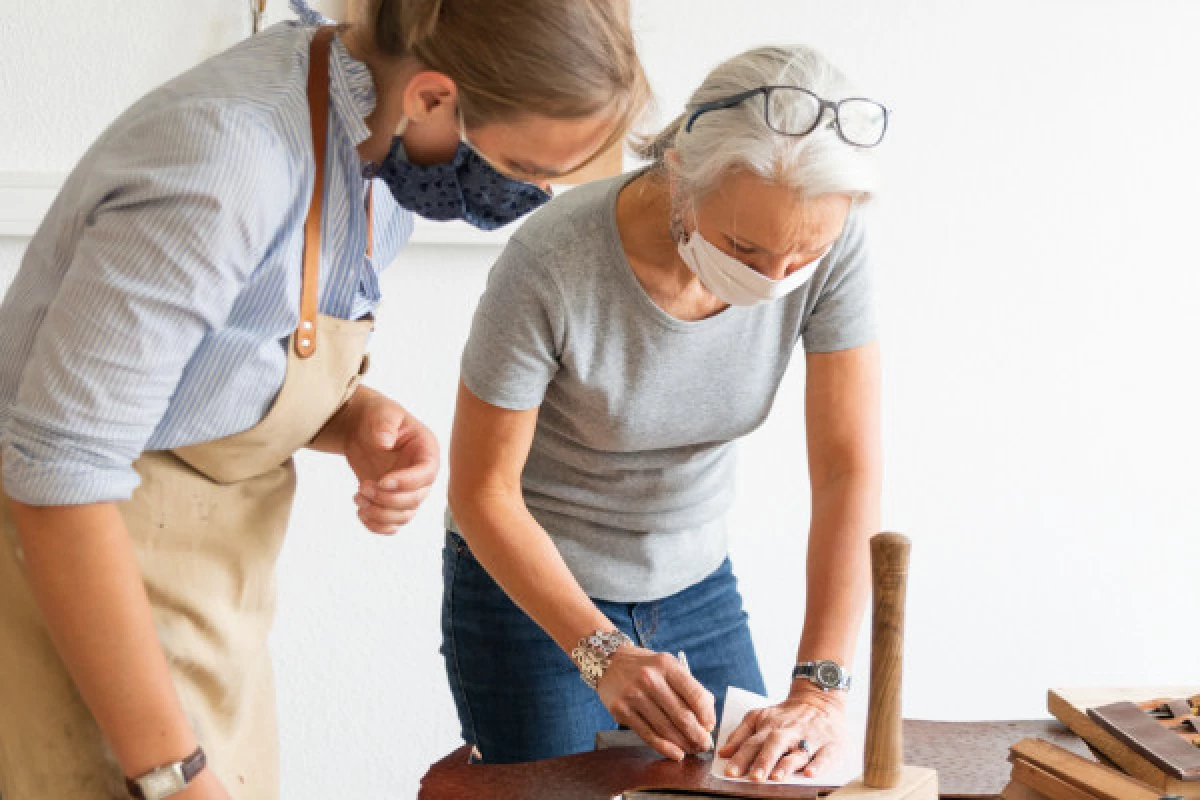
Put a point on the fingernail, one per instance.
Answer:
(778, 776)
(367, 491)
(733, 771)
(759, 775)
(708, 742)
(388, 484)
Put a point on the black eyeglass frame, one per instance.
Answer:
(765, 91)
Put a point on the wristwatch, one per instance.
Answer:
(592, 653)
(168, 779)
(825, 674)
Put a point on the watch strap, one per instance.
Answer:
(809, 670)
(189, 767)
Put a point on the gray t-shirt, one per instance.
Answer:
(631, 470)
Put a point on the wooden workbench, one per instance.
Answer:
(971, 759)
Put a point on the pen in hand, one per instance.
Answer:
(682, 656)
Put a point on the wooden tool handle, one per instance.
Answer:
(883, 758)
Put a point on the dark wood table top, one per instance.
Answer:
(971, 759)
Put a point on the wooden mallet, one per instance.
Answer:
(885, 777)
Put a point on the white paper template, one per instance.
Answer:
(738, 702)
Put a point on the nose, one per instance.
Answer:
(794, 264)
(779, 268)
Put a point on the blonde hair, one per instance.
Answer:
(564, 59)
(739, 138)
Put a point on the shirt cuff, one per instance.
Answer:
(54, 479)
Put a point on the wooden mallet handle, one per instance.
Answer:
(883, 758)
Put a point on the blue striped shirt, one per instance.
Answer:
(153, 305)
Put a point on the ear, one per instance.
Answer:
(430, 96)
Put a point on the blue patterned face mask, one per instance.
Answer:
(467, 187)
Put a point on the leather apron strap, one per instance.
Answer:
(318, 111)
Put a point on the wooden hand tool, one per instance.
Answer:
(1072, 707)
(1043, 769)
(1155, 730)
(884, 775)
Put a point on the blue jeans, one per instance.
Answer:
(519, 697)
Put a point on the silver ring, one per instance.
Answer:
(802, 746)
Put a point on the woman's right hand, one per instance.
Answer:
(654, 695)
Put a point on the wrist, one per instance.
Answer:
(805, 691)
(171, 779)
(335, 436)
(593, 654)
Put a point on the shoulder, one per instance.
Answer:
(245, 107)
(576, 222)
(234, 127)
(848, 257)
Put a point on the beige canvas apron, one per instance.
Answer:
(207, 523)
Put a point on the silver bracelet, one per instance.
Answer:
(592, 654)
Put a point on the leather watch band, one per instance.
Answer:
(189, 768)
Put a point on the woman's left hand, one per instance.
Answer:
(804, 734)
(396, 460)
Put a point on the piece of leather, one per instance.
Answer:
(599, 775)
(318, 104)
(1166, 749)
(970, 758)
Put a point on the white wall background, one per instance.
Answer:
(1040, 295)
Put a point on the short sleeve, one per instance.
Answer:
(517, 335)
(843, 315)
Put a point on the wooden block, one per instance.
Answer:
(1019, 791)
(1070, 707)
(916, 783)
(1044, 783)
(1097, 780)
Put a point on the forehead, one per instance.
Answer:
(771, 214)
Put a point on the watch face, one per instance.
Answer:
(162, 783)
(829, 674)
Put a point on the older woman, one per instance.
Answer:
(631, 332)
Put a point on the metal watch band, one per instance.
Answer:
(592, 653)
(826, 674)
(168, 779)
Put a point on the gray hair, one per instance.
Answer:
(739, 138)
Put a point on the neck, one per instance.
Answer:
(644, 221)
(390, 76)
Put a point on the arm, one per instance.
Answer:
(649, 692)
(842, 420)
(161, 261)
(84, 577)
(488, 448)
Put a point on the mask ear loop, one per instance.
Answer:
(675, 224)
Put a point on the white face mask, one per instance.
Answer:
(734, 282)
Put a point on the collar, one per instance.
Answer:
(351, 91)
